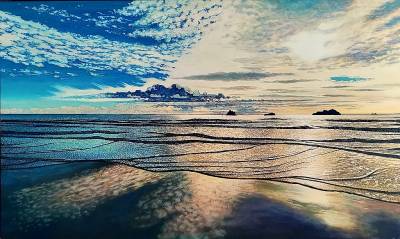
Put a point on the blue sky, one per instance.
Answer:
(87, 44)
(52, 53)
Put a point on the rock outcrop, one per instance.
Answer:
(231, 112)
(327, 112)
(269, 113)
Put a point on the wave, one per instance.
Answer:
(211, 123)
(354, 165)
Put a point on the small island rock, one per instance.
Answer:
(231, 112)
(327, 112)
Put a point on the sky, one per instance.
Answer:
(285, 56)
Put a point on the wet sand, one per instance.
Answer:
(103, 201)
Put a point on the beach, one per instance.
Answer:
(200, 176)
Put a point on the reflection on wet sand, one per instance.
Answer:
(188, 203)
(77, 196)
(199, 204)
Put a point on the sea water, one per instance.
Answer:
(200, 176)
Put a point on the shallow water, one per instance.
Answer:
(200, 176)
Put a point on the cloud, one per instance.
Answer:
(240, 87)
(294, 81)
(367, 90)
(175, 19)
(345, 79)
(286, 97)
(63, 92)
(385, 9)
(288, 90)
(336, 95)
(337, 87)
(234, 76)
(170, 30)
(69, 50)
(148, 92)
(312, 46)
(392, 22)
(316, 34)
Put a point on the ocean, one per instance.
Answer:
(200, 176)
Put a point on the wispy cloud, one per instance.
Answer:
(367, 90)
(337, 87)
(385, 9)
(295, 81)
(63, 92)
(345, 79)
(336, 95)
(234, 76)
(239, 87)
